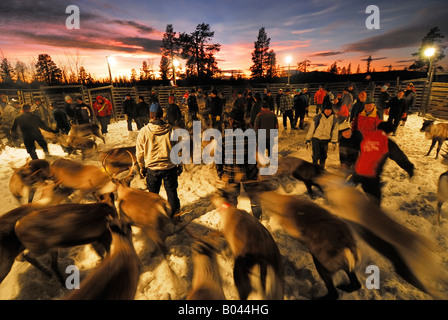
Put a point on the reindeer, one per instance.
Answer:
(438, 133)
(120, 160)
(86, 130)
(256, 253)
(24, 181)
(329, 240)
(71, 144)
(44, 230)
(414, 256)
(117, 277)
(83, 178)
(206, 282)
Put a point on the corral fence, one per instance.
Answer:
(436, 105)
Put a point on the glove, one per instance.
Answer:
(180, 169)
(143, 172)
(411, 172)
(307, 143)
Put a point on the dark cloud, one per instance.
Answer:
(140, 27)
(319, 64)
(402, 61)
(373, 59)
(327, 54)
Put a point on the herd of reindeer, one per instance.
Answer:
(66, 203)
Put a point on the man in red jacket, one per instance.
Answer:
(367, 120)
(376, 148)
(103, 111)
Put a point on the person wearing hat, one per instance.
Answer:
(367, 120)
(102, 108)
(173, 113)
(322, 131)
(319, 98)
(381, 101)
(82, 113)
(267, 120)
(349, 146)
(215, 109)
(69, 109)
(232, 173)
(410, 98)
(130, 110)
(153, 148)
(193, 106)
(142, 112)
(287, 109)
(395, 108)
(376, 148)
(240, 102)
(277, 100)
(256, 108)
(300, 108)
(347, 99)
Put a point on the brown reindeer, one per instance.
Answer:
(83, 178)
(24, 181)
(120, 160)
(329, 240)
(46, 229)
(71, 144)
(256, 253)
(206, 283)
(86, 130)
(438, 133)
(117, 277)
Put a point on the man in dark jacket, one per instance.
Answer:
(267, 120)
(30, 126)
(215, 109)
(82, 112)
(142, 113)
(270, 100)
(240, 102)
(395, 108)
(130, 110)
(349, 146)
(68, 108)
(381, 101)
(173, 113)
(300, 107)
(410, 98)
(192, 103)
(358, 106)
(376, 148)
(61, 119)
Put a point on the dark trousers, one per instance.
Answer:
(31, 146)
(104, 123)
(234, 192)
(299, 114)
(371, 186)
(288, 114)
(129, 120)
(154, 179)
(62, 123)
(320, 150)
(395, 121)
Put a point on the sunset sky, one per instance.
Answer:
(321, 31)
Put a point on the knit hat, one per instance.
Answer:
(384, 87)
(155, 107)
(298, 90)
(68, 98)
(369, 100)
(344, 126)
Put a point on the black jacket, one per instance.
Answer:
(396, 107)
(82, 113)
(173, 114)
(130, 107)
(29, 125)
(142, 109)
(192, 103)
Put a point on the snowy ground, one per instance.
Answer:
(409, 201)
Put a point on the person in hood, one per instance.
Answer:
(153, 148)
(323, 129)
(103, 111)
(367, 120)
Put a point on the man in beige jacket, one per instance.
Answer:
(153, 149)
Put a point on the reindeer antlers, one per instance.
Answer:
(113, 176)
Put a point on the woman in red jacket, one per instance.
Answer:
(103, 111)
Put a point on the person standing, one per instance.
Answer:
(410, 98)
(300, 107)
(286, 108)
(103, 112)
(358, 106)
(349, 147)
(367, 120)
(277, 100)
(347, 99)
(307, 95)
(376, 148)
(319, 98)
(173, 113)
(130, 110)
(40, 110)
(68, 108)
(270, 100)
(193, 107)
(61, 119)
(395, 108)
(215, 109)
(267, 120)
(142, 113)
(381, 101)
(232, 173)
(256, 108)
(81, 112)
(30, 125)
(153, 148)
(322, 131)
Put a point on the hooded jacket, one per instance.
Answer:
(153, 146)
(103, 108)
(366, 122)
(324, 128)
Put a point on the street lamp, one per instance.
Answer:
(429, 53)
(175, 64)
(288, 61)
(110, 60)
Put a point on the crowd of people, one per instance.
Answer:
(354, 121)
